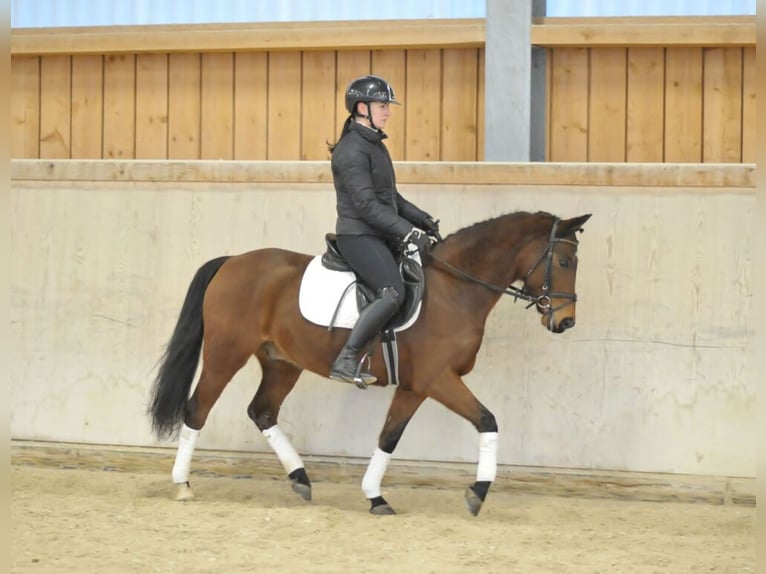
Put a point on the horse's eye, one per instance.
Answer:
(565, 262)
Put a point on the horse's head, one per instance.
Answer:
(550, 282)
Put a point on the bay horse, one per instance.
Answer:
(247, 304)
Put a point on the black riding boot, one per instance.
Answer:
(372, 318)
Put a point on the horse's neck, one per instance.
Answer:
(491, 258)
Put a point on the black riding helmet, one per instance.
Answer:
(369, 89)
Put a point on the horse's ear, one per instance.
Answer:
(570, 226)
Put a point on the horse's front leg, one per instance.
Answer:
(450, 390)
(403, 406)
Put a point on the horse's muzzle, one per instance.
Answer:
(566, 323)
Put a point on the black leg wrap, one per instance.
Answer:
(300, 483)
(481, 488)
(475, 495)
(380, 507)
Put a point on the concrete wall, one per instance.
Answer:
(654, 377)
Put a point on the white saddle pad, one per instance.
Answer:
(322, 288)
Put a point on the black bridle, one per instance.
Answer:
(542, 301)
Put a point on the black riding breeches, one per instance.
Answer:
(373, 261)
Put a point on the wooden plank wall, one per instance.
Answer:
(240, 105)
(652, 104)
(635, 90)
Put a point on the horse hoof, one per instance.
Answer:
(472, 501)
(382, 510)
(184, 492)
(302, 490)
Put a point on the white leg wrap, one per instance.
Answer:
(187, 439)
(287, 455)
(375, 471)
(487, 467)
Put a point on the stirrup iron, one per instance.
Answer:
(359, 380)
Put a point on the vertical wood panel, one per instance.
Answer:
(423, 110)
(151, 106)
(646, 90)
(458, 126)
(675, 104)
(87, 107)
(392, 65)
(119, 106)
(568, 115)
(184, 106)
(606, 131)
(683, 105)
(284, 141)
(480, 106)
(722, 114)
(55, 106)
(217, 106)
(349, 65)
(749, 118)
(318, 106)
(250, 105)
(25, 107)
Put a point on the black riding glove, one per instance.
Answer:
(431, 227)
(421, 241)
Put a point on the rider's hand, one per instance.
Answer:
(431, 227)
(421, 241)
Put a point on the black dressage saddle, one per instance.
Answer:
(412, 276)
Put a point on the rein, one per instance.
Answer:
(542, 301)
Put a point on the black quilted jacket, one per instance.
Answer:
(365, 185)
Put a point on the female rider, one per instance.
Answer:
(374, 220)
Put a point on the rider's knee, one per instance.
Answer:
(392, 295)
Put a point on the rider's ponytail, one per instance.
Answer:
(344, 131)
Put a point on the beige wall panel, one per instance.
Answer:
(151, 106)
(119, 106)
(423, 113)
(655, 376)
(55, 106)
(749, 116)
(646, 94)
(568, 105)
(459, 128)
(87, 106)
(217, 106)
(184, 107)
(606, 117)
(392, 65)
(284, 112)
(318, 105)
(683, 105)
(250, 105)
(25, 107)
(722, 114)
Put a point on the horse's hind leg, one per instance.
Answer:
(279, 378)
(403, 406)
(211, 383)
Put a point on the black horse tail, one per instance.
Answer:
(178, 364)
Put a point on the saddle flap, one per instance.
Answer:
(414, 287)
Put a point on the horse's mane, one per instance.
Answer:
(480, 229)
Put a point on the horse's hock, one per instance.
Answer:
(104, 252)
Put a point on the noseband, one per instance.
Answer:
(542, 301)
